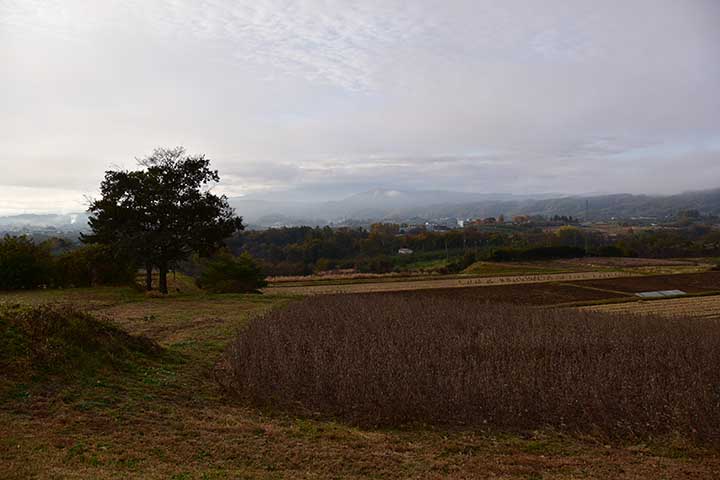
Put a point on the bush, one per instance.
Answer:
(285, 269)
(229, 274)
(93, 265)
(389, 360)
(610, 251)
(379, 264)
(26, 265)
(461, 263)
(23, 264)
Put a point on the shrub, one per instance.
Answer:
(610, 251)
(388, 360)
(285, 269)
(93, 265)
(229, 274)
(378, 264)
(461, 263)
(23, 264)
(26, 265)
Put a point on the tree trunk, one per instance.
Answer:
(163, 279)
(148, 277)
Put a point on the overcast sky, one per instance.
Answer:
(321, 99)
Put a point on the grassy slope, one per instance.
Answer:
(168, 419)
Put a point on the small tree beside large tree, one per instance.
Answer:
(162, 213)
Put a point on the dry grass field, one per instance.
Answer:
(166, 417)
(441, 282)
(688, 307)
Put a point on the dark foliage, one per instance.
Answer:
(611, 251)
(23, 264)
(536, 253)
(228, 274)
(391, 360)
(93, 265)
(163, 213)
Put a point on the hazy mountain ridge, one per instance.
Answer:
(69, 221)
(396, 205)
(375, 204)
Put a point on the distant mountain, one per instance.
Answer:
(64, 222)
(601, 207)
(416, 206)
(384, 198)
(396, 205)
(374, 204)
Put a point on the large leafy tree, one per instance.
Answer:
(163, 212)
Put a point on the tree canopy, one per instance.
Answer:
(163, 212)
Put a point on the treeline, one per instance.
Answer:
(58, 263)
(304, 250)
(53, 263)
(25, 264)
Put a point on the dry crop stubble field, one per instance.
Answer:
(390, 360)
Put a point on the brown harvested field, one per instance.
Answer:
(518, 294)
(390, 360)
(695, 307)
(690, 283)
(441, 283)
